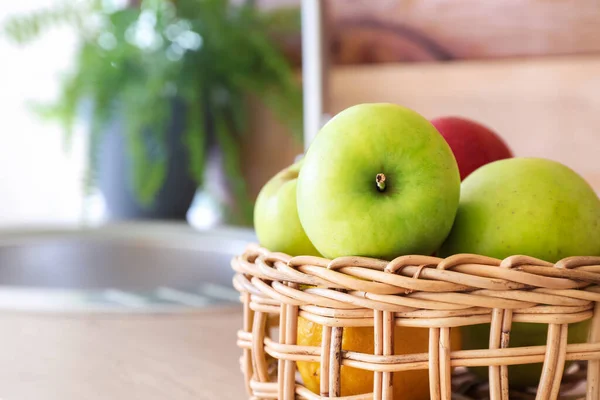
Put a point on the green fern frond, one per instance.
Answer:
(133, 65)
(29, 27)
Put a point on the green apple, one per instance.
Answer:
(476, 337)
(276, 216)
(378, 180)
(527, 206)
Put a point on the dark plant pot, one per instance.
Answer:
(114, 176)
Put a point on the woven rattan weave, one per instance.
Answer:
(418, 291)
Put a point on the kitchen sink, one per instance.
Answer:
(137, 267)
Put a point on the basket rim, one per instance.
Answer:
(421, 291)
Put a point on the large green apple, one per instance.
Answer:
(378, 180)
(276, 215)
(527, 206)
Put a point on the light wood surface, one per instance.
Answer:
(472, 29)
(128, 357)
(367, 31)
(545, 107)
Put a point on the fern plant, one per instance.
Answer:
(133, 62)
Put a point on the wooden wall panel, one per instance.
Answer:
(367, 31)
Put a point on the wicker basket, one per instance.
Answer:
(418, 291)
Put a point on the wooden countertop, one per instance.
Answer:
(121, 356)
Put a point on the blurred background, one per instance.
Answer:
(135, 136)
(122, 109)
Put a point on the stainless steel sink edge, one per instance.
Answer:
(131, 238)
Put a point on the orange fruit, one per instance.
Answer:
(413, 385)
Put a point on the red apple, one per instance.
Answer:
(473, 144)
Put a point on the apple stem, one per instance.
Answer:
(380, 181)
